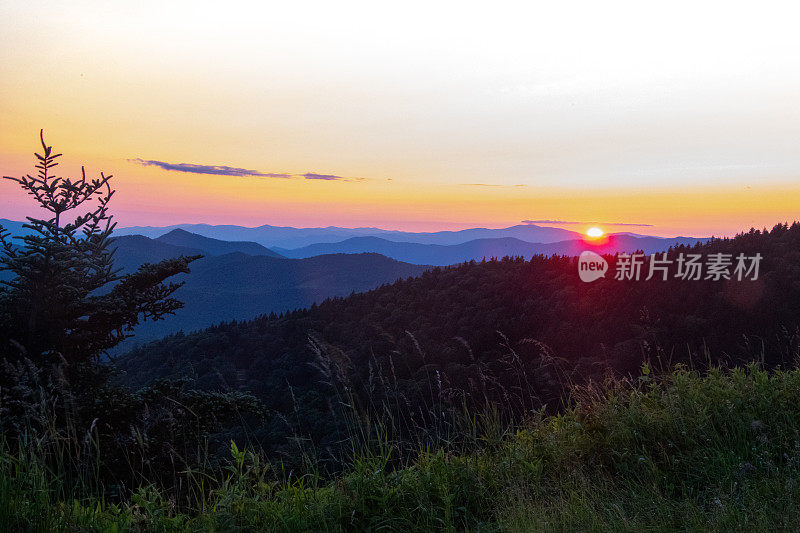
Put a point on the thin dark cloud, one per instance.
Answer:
(328, 177)
(219, 170)
(565, 222)
(224, 170)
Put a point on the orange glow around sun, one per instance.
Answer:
(594, 233)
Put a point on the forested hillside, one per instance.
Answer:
(240, 285)
(512, 330)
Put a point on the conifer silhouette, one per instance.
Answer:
(58, 302)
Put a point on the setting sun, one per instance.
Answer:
(594, 232)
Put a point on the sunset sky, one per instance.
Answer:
(682, 116)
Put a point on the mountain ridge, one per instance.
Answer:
(477, 249)
(290, 237)
(211, 246)
(240, 286)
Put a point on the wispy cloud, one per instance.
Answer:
(220, 170)
(565, 222)
(224, 170)
(328, 177)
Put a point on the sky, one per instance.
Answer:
(682, 117)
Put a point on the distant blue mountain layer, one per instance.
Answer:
(238, 286)
(209, 246)
(434, 254)
(243, 279)
(289, 238)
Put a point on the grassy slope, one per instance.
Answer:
(710, 452)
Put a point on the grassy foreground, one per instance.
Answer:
(688, 451)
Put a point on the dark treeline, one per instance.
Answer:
(510, 332)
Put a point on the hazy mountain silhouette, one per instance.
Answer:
(270, 236)
(132, 251)
(14, 227)
(290, 238)
(434, 254)
(306, 242)
(238, 286)
(209, 246)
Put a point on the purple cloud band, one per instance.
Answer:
(224, 170)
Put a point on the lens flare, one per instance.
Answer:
(594, 232)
